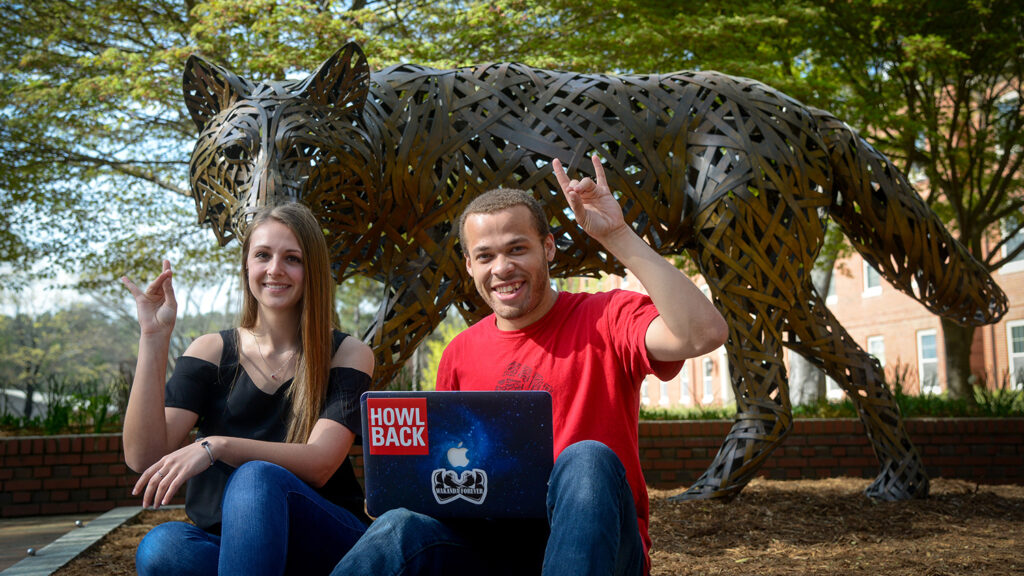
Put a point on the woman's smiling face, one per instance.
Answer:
(274, 267)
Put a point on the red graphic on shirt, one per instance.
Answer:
(518, 376)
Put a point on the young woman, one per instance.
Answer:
(276, 402)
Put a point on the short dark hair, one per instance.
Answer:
(500, 199)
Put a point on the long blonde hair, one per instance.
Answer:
(308, 391)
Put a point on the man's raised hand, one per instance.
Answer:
(595, 208)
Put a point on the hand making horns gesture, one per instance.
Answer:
(596, 210)
(156, 307)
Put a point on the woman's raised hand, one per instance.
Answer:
(156, 307)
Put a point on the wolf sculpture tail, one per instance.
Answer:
(897, 233)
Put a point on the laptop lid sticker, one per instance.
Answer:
(397, 426)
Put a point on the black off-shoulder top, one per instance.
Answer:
(229, 404)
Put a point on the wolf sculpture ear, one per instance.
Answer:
(208, 89)
(342, 81)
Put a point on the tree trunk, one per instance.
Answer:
(30, 392)
(807, 381)
(958, 360)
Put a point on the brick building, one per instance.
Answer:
(887, 323)
(906, 337)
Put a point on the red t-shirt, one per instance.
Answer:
(588, 351)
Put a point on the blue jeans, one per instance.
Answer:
(272, 523)
(591, 517)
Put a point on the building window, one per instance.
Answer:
(685, 398)
(1007, 121)
(1014, 238)
(1015, 349)
(928, 362)
(644, 398)
(663, 401)
(832, 389)
(876, 347)
(708, 370)
(872, 281)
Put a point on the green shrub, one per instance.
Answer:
(1000, 401)
(70, 406)
(683, 413)
(838, 409)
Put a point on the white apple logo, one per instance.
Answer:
(457, 456)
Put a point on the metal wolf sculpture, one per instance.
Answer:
(736, 174)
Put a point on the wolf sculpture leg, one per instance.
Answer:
(763, 416)
(416, 297)
(756, 258)
(821, 339)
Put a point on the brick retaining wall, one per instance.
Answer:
(76, 474)
(987, 451)
(64, 475)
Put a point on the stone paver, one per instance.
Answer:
(19, 534)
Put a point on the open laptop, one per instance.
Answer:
(457, 454)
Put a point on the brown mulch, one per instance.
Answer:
(776, 528)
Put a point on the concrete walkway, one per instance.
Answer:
(56, 539)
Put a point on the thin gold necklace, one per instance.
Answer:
(273, 375)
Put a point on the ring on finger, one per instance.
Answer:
(160, 473)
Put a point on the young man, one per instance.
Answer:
(591, 352)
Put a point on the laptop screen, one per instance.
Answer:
(457, 454)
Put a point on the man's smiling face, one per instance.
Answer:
(508, 260)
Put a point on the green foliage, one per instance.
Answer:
(357, 300)
(70, 407)
(80, 357)
(95, 142)
(79, 342)
(936, 85)
(435, 344)
(94, 410)
(57, 416)
(96, 138)
(681, 413)
(835, 409)
(762, 40)
(998, 402)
